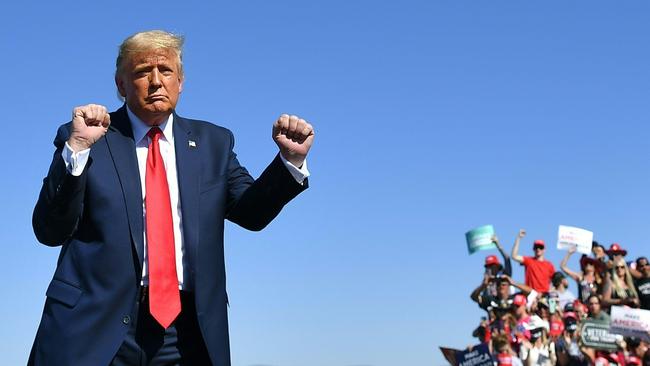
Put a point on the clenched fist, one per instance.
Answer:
(89, 123)
(294, 136)
(522, 233)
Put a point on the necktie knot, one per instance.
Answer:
(154, 133)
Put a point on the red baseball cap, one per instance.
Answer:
(492, 260)
(614, 249)
(578, 304)
(519, 300)
(539, 243)
(570, 314)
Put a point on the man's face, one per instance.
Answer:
(594, 306)
(539, 251)
(643, 267)
(492, 269)
(598, 251)
(503, 289)
(520, 310)
(151, 82)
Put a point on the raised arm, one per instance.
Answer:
(60, 202)
(522, 287)
(507, 265)
(565, 268)
(636, 274)
(515, 248)
(476, 294)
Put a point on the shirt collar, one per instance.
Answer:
(140, 129)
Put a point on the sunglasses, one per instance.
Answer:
(538, 248)
(620, 267)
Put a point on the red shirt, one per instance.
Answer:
(538, 273)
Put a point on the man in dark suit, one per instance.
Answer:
(137, 200)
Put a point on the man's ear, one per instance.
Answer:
(119, 82)
(180, 84)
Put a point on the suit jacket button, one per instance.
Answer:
(126, 319)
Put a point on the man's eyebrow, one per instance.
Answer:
(142, 67)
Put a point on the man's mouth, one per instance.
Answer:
(153, 98)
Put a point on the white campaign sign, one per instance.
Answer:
(568, 237)
(630, 322)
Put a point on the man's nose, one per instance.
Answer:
(154, 78)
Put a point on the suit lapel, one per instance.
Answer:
(188, 173)
(122, 149)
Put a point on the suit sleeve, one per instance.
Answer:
(254, 204)
(60, 202)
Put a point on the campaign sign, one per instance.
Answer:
(569, 237)
(596, 334)
(630, 322)
(480, 238)
(478, 356)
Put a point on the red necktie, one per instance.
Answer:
(164, 297)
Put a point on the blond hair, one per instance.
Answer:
(617, 281)
(148, 41)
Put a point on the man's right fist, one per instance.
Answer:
(522, 233)
(89, 123)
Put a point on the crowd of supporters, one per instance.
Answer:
(538, 321)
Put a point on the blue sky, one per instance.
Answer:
(431, 117)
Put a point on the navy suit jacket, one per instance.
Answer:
(97, 220)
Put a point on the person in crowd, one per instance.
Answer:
(643, 283)
(522, 316)
(640, 349)
(589, 279)
(503, 353)
(596, 311)
(539, 351)
(598, 250)
(581, 310)
(560, 290)
(538, 270)
(503, 299)
(556, 325)
(496, 306)
(567, 346)
(614, 253)
(542, 308)
(619, 288)
(494, 269)
(503, 326)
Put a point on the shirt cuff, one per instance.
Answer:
(75, 162)
(299, 174)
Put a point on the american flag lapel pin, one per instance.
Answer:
(191, 143)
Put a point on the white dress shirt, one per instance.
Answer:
(76, 162)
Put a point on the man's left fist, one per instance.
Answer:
(294, 137)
